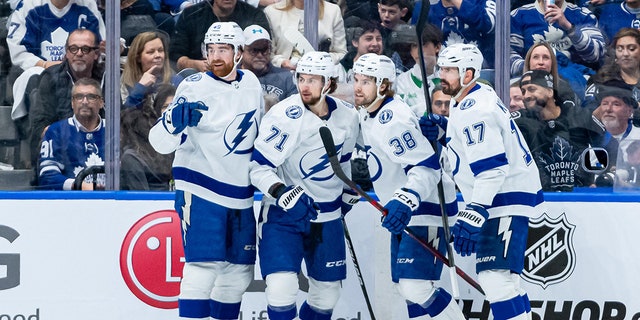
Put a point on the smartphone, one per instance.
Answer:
(550, 2)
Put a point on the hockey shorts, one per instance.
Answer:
(214, 233)
(282, 249)
(502, 244)
(409, 260)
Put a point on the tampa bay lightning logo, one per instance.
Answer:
(467, 104)
(194, 77)
(294, 112)
(374, 163)
(385, 116)
(240, 133)
(315, 165)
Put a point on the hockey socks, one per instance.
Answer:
(282, 313)
(194, 309)
(439, 306)
(513, 308)
(308, 312)
(223, 311)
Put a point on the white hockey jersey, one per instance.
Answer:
(491, 162)
(289, 150)
(212, 158)
(398, 156)
(408, 86)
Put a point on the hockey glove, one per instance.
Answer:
(467, 228)
(183, 114)
(399, 210)
(296, 203)
(434, 127)
(349, 198)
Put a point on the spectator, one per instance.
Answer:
(622, 63)
(615, 110)
(613, 16)
(573, 31)
(367, 38)
(39, 29)
(392, 14)
(467, 21)
(186, 42)
(275, 81)
(409, 84)
(557, 133)
(147, 66)
(516, 101)
(53, 95)
(141, 167)
(136, 17)
(628, 172)
(287, 21)
(440, 101)
(541, 56)
(73, 144)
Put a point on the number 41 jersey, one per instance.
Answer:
(490, 160)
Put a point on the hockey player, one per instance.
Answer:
(497, 176)
(304, 200)
(405, 171)
(211, 125)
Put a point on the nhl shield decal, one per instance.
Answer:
(550, 256)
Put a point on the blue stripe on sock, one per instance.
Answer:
(440, 302)
(415, 310)
(193, 308)
(527, 303)
(221, 310)
(282, 313)
(308, 313)
(508, 309)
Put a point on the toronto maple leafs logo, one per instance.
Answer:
(92, 160)
(556, 38)
(240, 133)
(560, 165)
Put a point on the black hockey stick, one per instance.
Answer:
(330, 147)
(422, 21)
(352, 251)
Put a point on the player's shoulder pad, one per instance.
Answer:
(290, 107)
(194, 77)
(467, 104)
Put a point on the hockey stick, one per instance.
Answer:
(352, 251)
(330, 148)
(422, 21)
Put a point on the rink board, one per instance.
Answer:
(117, 255)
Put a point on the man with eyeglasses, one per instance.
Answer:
(277, 83)
(52, 99)
(73, 144)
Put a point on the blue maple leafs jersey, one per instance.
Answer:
(289, 150)
(490, 161)
(615, 16)
(212, 158)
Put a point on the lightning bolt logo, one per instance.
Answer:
(239, 133)
(503, 228)
(313, 165)
(433, 237)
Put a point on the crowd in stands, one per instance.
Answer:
(574, 66)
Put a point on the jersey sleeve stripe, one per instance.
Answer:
(489, 163)
(260, 159)
(517, 198)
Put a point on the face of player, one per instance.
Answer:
(628, 53)
(516, 99)
(310, 88)
(369, 42)
(615, 114)
(220, 58)
(364, 89)
(440, 103)
(81, 62)
(450, 80)
(535, 96)
(152, 56)
(256, 56)
(430, 52)
(390, 16)
(540, 59)
(86, 101)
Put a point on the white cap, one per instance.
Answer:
(255, 32)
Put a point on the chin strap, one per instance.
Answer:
(235, 66)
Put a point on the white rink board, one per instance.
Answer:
(69, 255)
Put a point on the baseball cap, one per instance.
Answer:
(254, 33)
(538, 77)
(619, 89)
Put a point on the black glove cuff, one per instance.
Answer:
(277, 190)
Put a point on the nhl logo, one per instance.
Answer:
(550, 257)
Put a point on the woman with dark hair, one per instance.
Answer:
(141, 167)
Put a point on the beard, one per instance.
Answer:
(222, 71)
(612, 124)
(79, 66)
(447, 88)
(310, 100)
